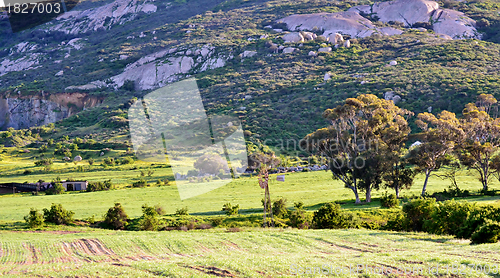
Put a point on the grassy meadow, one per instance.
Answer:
(81, 251)
(247, 253)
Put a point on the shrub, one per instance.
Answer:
(397, 222)
(217, 221)
(127, 160)
(449, 217)
(100, 186)
(330, 216)
(56, 189)
(58, 215)
(116, 217)
(487, 233)
(230, 210)
(34, 219)
(44, 162)
(182, 211)
(160, 210)
(476, 219)
(417, 212)
(299, 218)
(279, 208)
(109, 161)
(90, 161)
(140, 183)
(389, 201)
(149, 220)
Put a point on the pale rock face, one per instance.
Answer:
(78, 158)
(247, 53)
(389, 31)
(308, 36)
(335, 38)
(347, 43)
(289, 50)
(448, 22)
(407, 11)
(117, 12)
(150, 75)
(293, 37)
(60, 73)
(327, 77)
(74, 43)
(444, 36)
(312, 53)
(393, 63)
(25, 63)
(454, 24)
(349, 22)
(35, 111)
(325, 49)
(163, 67)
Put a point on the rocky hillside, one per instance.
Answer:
(275, 64)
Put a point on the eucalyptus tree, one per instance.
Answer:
(482, 137)
(360, 131)
(439, 137)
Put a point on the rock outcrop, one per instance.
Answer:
(354, 23)
(24, 63)
(407, 11)
(454, 24)
(117, 12)
(293, 37)
(34, 111)
(163, 67)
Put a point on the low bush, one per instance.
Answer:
(34, 219)
(160, 210)
(418, 212)
(44, 162)
(449, 217)
(300, 218)
(230, 210)
(217, 221)
(389, 201)
(140, 183)
(487, 233)
(149, 220)
(127, 160)
(116, 218)
(109, 161)
(56, 189)
(279, 208)
(330, 216)
(182, 211)
(58, 215)
(100, 186)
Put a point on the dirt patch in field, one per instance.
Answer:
(212, 270)
(231, 245)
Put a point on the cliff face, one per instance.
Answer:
(35, 111)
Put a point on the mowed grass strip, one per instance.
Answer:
(311, 188)
(249, 253)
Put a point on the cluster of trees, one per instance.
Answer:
(365, 143)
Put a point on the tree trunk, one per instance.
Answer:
(485, 184)
(427, 175)
(368, 195)
(355, 190)
(397, 191)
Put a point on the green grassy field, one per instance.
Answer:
(249, 253)
(311, 188)
(75, 251)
